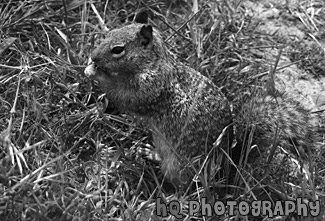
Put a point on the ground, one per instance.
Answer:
(67, 154)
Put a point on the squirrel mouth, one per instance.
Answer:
(99, 74)
(92, 71)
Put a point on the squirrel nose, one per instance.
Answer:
(90, 70)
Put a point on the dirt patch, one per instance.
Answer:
(283, 21)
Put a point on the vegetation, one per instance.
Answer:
(67, 154)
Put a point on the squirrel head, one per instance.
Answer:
(130, 59)
(123, 52)
(127, 51)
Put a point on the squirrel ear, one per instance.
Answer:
(146, 36)
(141, 17)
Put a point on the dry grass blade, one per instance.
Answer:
(249, 189)
(270, 85)
(26, 178)
(6, 44)
(100, 19)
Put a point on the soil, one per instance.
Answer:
(285, 21)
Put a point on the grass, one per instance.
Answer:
(67, 154)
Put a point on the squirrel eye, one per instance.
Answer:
(117, 50)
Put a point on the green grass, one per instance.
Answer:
(67, 154)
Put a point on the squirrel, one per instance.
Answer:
(184, 109)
